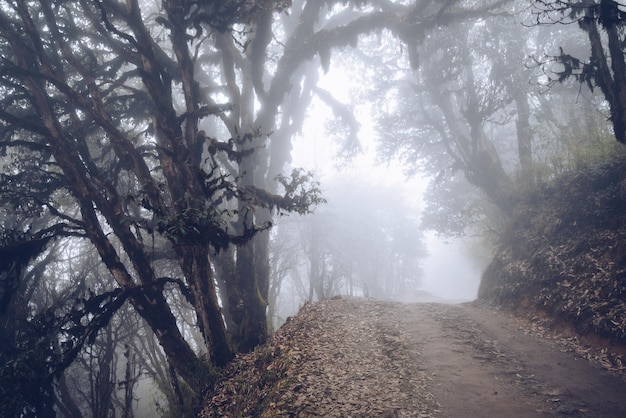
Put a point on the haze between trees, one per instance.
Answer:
(158, 136)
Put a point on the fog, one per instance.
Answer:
(450, 273)
(177, 178)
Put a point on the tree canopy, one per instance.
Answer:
(102, 116)
(157, 137)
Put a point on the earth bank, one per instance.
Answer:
(563, 258)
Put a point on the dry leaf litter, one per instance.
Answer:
(341, 358)
(562, 261)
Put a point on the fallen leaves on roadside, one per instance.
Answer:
(336, 358)
(563, 262)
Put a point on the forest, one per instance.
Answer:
(154, 221)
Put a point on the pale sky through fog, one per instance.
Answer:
(449, 272)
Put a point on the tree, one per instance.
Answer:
(365, 242)
(454, 97)
(44, 330)
(273, 98)
(375, 245)
(603, 21)
(161, 132)
(107, 133)
(473, 115)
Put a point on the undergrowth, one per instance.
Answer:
(564, 252)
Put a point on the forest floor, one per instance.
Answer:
(366, 358)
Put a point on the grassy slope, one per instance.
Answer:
(564, 254)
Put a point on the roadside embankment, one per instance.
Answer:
(563, 257)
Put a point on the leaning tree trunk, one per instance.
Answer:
(152, 306)
(476, 156)
(196, 266)
(146, 297)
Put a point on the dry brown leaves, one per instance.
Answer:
(603, 352)
(338, 358)
(598, 351)
(564, 255)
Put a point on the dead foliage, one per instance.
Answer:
(338, 358)
(564, 256)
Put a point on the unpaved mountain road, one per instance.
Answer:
(485, 363)
(364, 358)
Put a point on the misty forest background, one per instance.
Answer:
(154, 222)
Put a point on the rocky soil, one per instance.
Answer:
(367, 358)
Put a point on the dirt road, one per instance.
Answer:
(367, 358)
(484, 364)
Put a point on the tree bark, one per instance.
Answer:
(226, 277)
(253, 327)
(64, 401)
(152, 306)
(611, 78)
(524, 137)
(477, 156)
(196, 266)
